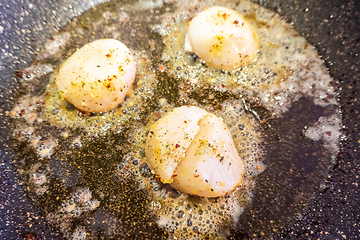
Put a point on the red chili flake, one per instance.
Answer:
(144, 59)
(224, 15)
(115, 76)
(30, 236)
(223, 85)
(174, 175)
(236, 22)
(328, 133)
(108, 55)
(157, 178)
(185, 121)
(152, 133)
(177, 145)
(19, 74)
(196, 176)
(108, 86)
(161, 68)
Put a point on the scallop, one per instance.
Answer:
(168, 139)
(194, 151)
(97, 77)
(223, 38)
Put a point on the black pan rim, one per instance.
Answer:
(330, 26)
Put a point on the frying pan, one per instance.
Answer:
(331, 26)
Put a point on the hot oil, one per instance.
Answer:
(87, 172)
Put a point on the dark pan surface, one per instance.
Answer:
(331, 26)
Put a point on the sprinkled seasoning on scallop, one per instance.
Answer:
(169, 138)
(212, 166)
(97, 77)
(194, 151)
(222, 38)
